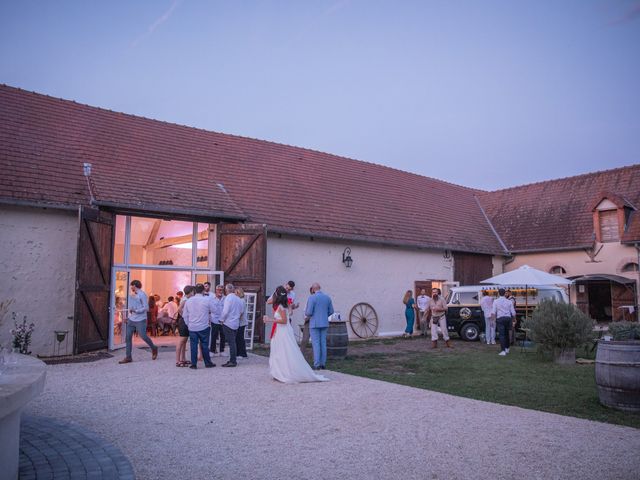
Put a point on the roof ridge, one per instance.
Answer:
(598, 172)
(242, 137)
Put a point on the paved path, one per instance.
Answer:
(51, 449)
(239, 423)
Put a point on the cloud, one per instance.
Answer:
(335, 7)
(632, 14)
(159, 21)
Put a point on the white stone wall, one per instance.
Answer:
(380, 275)
(38, 265)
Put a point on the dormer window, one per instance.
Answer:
(609, 230)
(610, 216)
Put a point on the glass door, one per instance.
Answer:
(118, 308)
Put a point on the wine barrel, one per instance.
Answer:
(337, 340)
(618, 374)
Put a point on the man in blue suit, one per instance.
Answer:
(319, 307)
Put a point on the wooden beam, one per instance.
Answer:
(170, 241)
(153, 233)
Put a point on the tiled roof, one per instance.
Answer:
(557, 214)
(632, 234)
(148, 165)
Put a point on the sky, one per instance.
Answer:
(483, 93)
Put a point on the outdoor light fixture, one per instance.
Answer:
(346, 257)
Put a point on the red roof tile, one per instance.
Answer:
(632, 234)
(149, 165)
(557, 214)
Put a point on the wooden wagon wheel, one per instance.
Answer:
(363, 320)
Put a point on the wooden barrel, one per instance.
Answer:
(337, 340)
(618, 374)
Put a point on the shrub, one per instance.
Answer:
(625, 330)
(22, 334)
(559, 326)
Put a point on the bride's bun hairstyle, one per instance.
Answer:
(280, 297)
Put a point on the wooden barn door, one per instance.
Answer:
(471, 268)
(242, 256)
(582, 297)
(623, 296)
(93, 280)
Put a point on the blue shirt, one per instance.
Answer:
(138, 306)
(319, 307)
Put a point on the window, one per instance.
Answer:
(630, 267)
(557, 270)
(609, 231)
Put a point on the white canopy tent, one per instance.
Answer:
(529, 277)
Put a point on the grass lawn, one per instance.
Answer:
(525, 379)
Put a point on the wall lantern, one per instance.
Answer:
(346, 257)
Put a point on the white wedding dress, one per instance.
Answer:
(286, 362)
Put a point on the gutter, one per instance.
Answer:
(166, 211)
(553, 249)
(33, 204)
(372, 240)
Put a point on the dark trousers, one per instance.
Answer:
(216, 330)
(201, 337)
(230, 338)
(241, 345)
(504, 327)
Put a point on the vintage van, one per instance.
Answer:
(464, 315)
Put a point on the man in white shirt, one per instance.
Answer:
(216, 328)
(291, 297)
(505, 316)
(486, 304)
(196, 313)
(168, 315)
(423, 304)
(230, 320)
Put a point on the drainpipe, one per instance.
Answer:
(638, 284)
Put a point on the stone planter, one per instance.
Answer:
(618, 374)
(566, 356)
(19, 383)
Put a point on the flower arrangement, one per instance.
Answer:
(22, 334)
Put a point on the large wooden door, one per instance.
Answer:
(93, 280)
(471, 268)
(242, 256)
(622, 297)
(582, 297)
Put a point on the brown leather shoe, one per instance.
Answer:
(448, 344)
(154, 353)
(434, 344)
(125, 360)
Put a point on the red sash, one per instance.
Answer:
(273, 327)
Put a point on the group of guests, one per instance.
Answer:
(430, 311)
(162, 316)
(500, 312)
(202, 317)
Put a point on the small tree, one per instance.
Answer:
(560, 328)
(625, 330)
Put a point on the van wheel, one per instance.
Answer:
(470, 332)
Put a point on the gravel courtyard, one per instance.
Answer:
(175, 423)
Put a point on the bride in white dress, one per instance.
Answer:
(286, 362)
